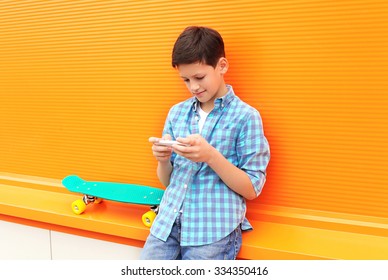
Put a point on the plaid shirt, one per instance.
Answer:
(210, 210)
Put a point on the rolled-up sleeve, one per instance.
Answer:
(253, 150)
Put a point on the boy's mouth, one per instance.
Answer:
(198, 94)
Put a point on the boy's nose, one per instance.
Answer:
(194, 87)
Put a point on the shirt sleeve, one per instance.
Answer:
(253, 150)
(168, 130)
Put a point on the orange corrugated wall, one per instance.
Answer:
(83, 84)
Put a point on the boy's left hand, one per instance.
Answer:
(198, 149)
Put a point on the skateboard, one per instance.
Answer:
(94, 192)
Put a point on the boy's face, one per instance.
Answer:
(205, 82)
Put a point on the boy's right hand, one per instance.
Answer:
(161, 153)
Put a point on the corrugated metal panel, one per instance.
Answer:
(83, 84)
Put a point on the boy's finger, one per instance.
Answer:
(167, 137)
(190, 140)
(153, 139)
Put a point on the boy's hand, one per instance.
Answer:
(197, 149)
(161, 153)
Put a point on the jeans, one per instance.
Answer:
(225, 249)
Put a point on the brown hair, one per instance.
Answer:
(198, 44)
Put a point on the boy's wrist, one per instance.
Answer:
(211, 156)
(164, 162)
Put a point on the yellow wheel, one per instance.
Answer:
(97, 200)
(148, 218)
(78, 206)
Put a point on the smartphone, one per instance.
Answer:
(169, 143)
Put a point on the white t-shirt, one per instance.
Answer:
(203, 115)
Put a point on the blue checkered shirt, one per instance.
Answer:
(210, 210)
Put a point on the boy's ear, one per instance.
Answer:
(224, 65)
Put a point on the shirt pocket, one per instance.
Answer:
(225, 143)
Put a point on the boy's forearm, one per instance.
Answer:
(232, 176)
(164, 170)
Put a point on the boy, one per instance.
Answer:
(220, 159)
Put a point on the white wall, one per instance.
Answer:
(23, 242)
(19, 242)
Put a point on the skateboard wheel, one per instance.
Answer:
(148, 218)
(97, 200)
(78, 206)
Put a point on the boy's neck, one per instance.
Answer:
(209, 106)
(206, 107)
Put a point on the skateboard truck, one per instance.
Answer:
(91, 199)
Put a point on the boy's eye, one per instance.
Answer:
(197, 78)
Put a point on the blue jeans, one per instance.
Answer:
(225, 249)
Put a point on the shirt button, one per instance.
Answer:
(185, 186)
(175, 210)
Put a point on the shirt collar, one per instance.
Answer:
(219, 103)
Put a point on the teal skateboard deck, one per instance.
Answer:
(128, 193)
